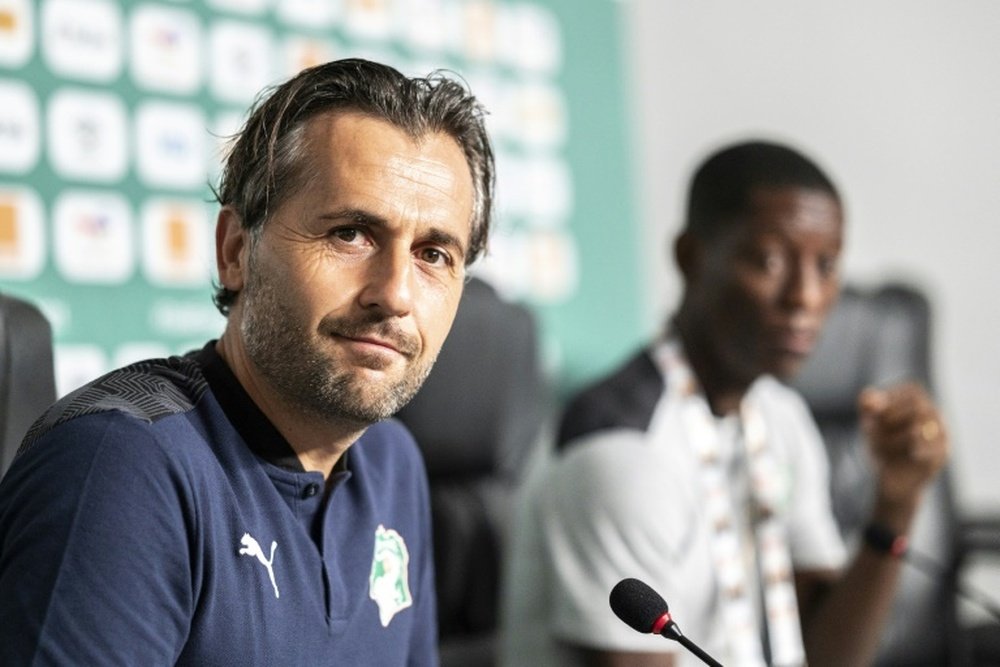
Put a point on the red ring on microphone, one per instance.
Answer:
(661, 622)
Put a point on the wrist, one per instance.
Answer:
(884, 540)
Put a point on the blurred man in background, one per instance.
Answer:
(250, 503)
(694, 469)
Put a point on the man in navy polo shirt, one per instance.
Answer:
(251, 503)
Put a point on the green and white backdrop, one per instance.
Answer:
(113, 117)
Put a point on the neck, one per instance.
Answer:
(723, 390)
(318, 442)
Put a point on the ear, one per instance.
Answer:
(687, 254)
(232, 242)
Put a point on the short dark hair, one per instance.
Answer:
(265, 162)
(722, 187)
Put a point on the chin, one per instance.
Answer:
(786, 367)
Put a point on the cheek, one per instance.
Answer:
(741, 305)
(437, 313)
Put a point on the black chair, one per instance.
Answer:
(27, 377)
(476, 419)
(878, 337)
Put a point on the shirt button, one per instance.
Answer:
(310, 490)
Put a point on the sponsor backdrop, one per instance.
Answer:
(114, 115)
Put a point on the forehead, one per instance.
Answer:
(794, 210)
(353, 142)
(352, 158)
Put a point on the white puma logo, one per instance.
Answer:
(252, 548)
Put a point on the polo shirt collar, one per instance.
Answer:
(260, 435)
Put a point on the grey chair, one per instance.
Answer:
(475, 420)
(878, 337)
(27, 378)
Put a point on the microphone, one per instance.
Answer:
(645, 610)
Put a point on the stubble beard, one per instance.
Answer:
(287, 354)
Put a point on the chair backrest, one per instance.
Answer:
(879, 337)
(27, 378)
(476, 419)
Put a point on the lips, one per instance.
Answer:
(374, 337)
(375, 342)
(795, 340)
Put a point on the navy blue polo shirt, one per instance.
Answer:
(156, 517)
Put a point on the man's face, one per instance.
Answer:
(767, 283)
(353, 286)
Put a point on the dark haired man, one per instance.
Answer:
(250, 503)
(695, 469)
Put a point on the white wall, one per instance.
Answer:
(900, 100)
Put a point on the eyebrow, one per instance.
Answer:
(369, 219)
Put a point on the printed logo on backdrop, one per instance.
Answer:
(477, 31)
(316, 14)
(171, 150)
(539, 111)
(368, 19)
(92, 234)
(424, 25)
(532, 40)
(240, 60)
(175, 243)
(20, 140)
(302, 52)
(17, 32)
(166, 49)
(86, 135)
(82, 39)
(22, 233)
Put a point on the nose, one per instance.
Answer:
(388, 285)
(808, 289)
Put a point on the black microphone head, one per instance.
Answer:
(637, 604)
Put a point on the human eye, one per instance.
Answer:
(768, 260)
(827, 265)
(435, 257)
(348, 234)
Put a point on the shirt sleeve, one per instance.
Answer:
(94, 548)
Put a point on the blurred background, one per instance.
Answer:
(113, 116)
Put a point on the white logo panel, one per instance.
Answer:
(166, 49)
(76, 365)
(171, 145)
(175, 243)
(20, 141)
(82, 38)
(423, 24)
(92, 234)
(87, 135)
(17, 32)
(371, 19)
(241, 60)
(540, 114)
(308, 13)
(303, 52)
(533, 41)
(22, 233)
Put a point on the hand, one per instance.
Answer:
(908, 441)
